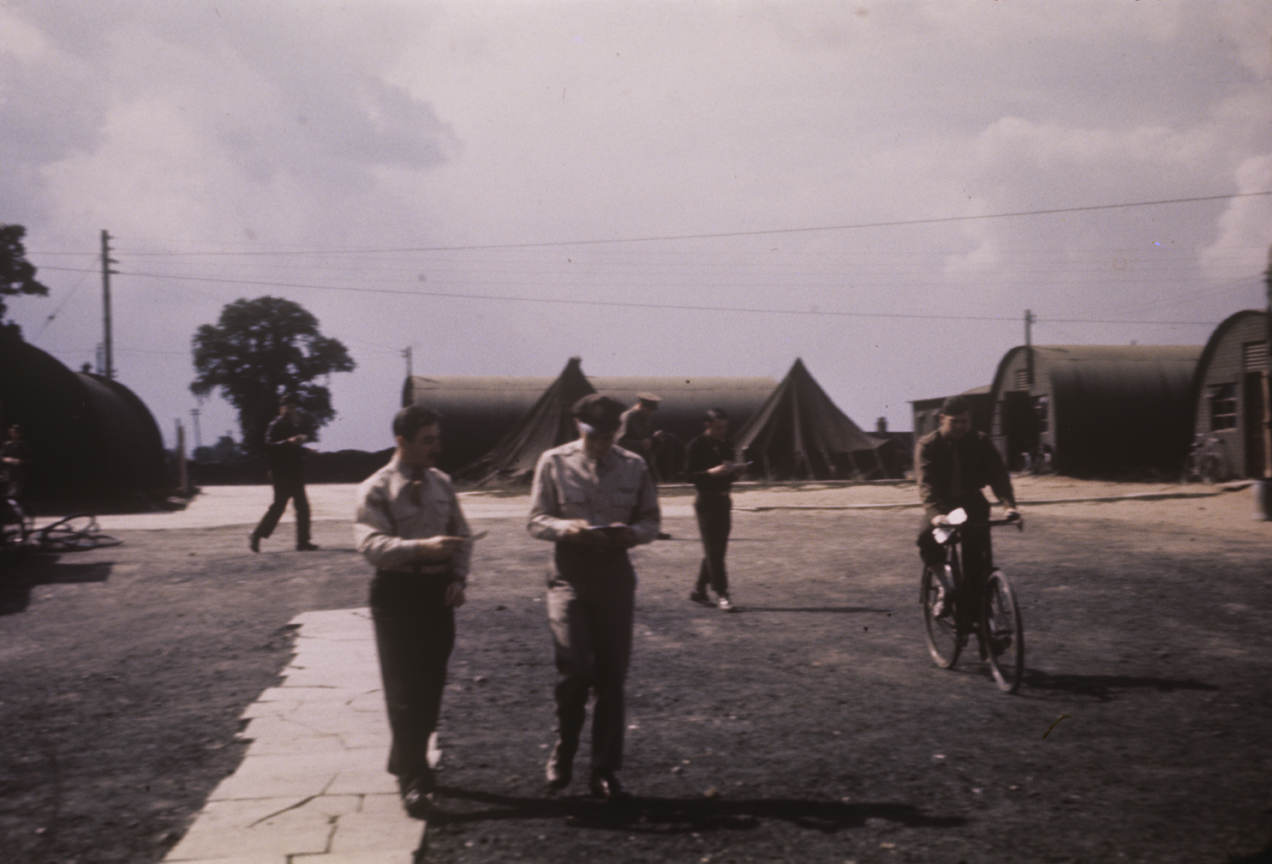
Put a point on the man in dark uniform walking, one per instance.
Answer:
(285, 452)
(710, 467)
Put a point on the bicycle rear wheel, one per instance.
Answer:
(937, 596)
(1003, 632)
(72, 533)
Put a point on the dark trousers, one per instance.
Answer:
(715, 520)
(414, 635)
(591, 597)
(286, 488)
(978, 552)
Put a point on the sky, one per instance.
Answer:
(661, 188)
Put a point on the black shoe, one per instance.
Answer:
(417, 797)
(254, 542)
(305, 547)
(605, 785)
(560, 768)
(701, 597)
(663, 535)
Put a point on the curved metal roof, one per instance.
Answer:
(1212, 345)
(1115, 407)
(90, 437)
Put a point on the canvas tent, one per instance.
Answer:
(547, 424)
(800, 433)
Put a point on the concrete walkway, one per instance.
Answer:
(312, 786)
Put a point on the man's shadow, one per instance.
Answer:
(1100, 688)
(20, 574)
(680, 815)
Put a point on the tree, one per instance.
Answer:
(260, 350)
(17, 275)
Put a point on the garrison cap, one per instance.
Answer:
(600, 414)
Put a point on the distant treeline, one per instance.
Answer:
(342, 466)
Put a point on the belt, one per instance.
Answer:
(418, 570)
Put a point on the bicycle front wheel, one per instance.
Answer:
(1003, 632)
(937, 596)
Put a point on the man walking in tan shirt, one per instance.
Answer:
(594, 501)
(410, 527)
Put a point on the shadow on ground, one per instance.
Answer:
(19, 576)
(1102, 688)
(682, 815)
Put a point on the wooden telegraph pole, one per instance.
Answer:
(1264, 489)
(108, 359)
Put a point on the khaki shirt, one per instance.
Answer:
(388, 521)
(569, 485)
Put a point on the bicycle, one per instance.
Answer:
(997, 624)
(1207, 461)
(70, 534)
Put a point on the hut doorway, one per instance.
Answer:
(1254, 391)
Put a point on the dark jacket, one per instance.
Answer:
(285, 458)
(706, 452)
(981, 466)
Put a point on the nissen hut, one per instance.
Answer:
(1228, 396)
(1095, 410)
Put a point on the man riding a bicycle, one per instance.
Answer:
(953, 464)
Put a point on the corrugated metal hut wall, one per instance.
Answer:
(1097, 409)
(927, 411)
(1227, 393)
(90, 438)
(477, 411)
(45, 398)
(686, 400)
(130, 445)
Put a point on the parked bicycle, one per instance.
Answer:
(948, 622)
(72, 533)
(1207, 461)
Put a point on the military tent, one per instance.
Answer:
(547, 424)
(800, 433)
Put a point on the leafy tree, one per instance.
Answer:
(17, 275)
(260, 350)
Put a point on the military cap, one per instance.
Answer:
(599, 414)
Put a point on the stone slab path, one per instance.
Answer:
(312, 788)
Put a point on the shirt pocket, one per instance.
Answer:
(575, 505)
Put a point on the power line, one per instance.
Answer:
(678, 307)
(727, 234)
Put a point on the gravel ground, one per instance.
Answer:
(810, 726)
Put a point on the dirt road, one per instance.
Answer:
(810, 726)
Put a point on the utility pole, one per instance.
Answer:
(406, 353)
(198, 438)
(1029, 358)
(108, 360)
(1263, 489)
